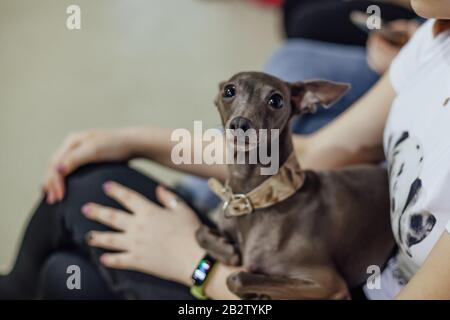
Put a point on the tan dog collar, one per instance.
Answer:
(275, 189)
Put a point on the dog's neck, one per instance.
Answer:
(245, 177)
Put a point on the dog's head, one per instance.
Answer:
(255, 100)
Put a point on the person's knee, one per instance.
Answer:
(68, 275)
(88, 180)
(86, 185)
(52, 279)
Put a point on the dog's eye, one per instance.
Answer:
(229, 91)
(275, 101)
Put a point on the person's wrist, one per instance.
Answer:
(189, 262)
(216, 288)
(129, 141)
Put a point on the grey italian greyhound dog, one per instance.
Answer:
(316, 237)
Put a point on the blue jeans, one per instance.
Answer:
(299, 60)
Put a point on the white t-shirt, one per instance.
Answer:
(417, 148)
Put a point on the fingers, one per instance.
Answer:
(129, 199)
(50, 196)
(53, 187)
(409, 26)
(72, 160)
(136, 203)
(110, 217)
(376, 39)
(76, 158)
(54, 183)
(71, 142)
(167, 198)
(117, 260)
(399, 25)
(108, 240)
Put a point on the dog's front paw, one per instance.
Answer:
(217, 246)
(240, 284)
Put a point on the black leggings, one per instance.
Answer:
(55, 239)
(328, 20)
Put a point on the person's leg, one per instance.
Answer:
(86, 186)
(55, 228)
(55, 273)
(94, 286)
(300, 59)
(44, 234)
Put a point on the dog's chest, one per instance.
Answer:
(263, 238)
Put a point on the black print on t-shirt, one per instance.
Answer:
(410, 225)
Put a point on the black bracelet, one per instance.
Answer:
(200, 276)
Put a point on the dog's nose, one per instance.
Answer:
(240, 123)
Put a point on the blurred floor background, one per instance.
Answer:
(133, 62)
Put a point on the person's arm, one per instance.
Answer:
(93, 146)
(156, 144)
(432, 281)
(217, 288)
(354, 137)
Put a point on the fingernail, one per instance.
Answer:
(107, 186)
(103, 259)
(162, 188)
(86, 210)
(50, 198)
(61, 169)
(88, 237)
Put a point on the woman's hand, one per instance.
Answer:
(152, 239)
(381, 52)
(82, 148)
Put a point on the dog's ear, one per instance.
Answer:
(307, 96)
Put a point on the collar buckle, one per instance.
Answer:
(237, 205)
